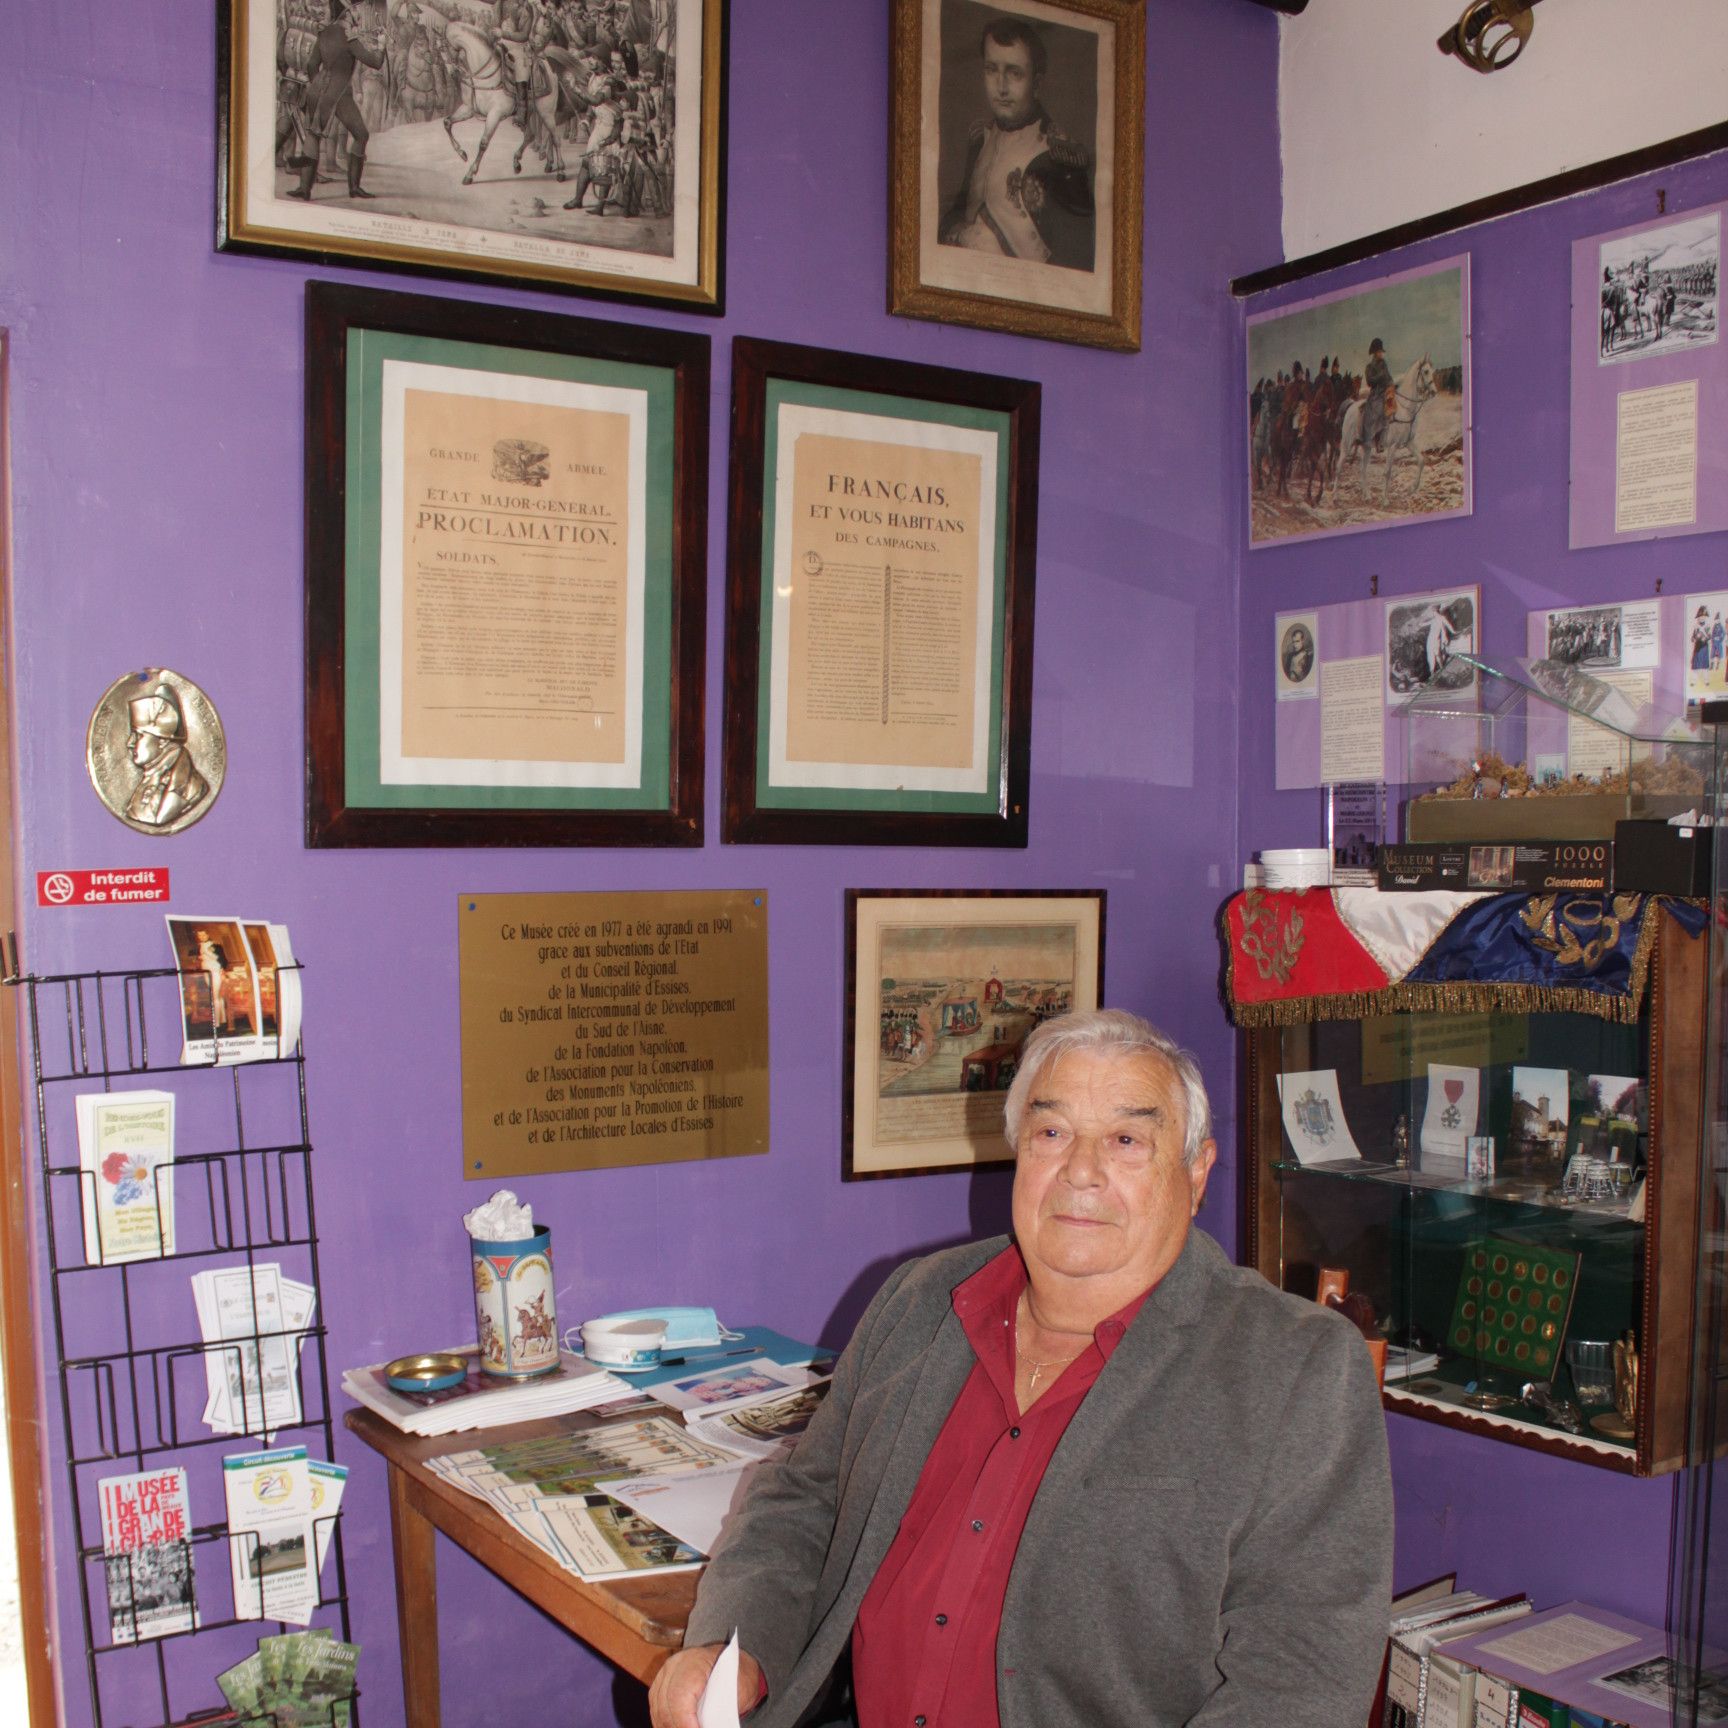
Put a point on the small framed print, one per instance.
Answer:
(574, 146)
(1018, 137)
(942, 989)
(505, 561)
(1298, 655)
(878, 601)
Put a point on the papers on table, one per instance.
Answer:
(254, 1321)
(765, 1426)
(555, 1490)
(1314, 1117)
(690, 1507)
(711, 1390)
(484, 1400)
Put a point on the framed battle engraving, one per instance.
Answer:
(942, 988)
(505, 576)
(576, 146)
(879, 577)
(1018, 141)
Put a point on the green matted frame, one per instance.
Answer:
(350, 333)
(1003, 413)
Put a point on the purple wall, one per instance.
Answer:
(1506, 1519)
(157, 438)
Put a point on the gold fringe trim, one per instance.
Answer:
(1466, 996)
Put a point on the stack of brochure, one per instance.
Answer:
(483, 1400)
(254, 1322)
(754, 1408)
(553, 1491)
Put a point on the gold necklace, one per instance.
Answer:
(1037, 1366)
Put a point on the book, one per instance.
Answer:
(1410, 1640)
(147, 1548)
(484, 1400)
(1422, 1645)
(1412, 1601)
(126, 1172)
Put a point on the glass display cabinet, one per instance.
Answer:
(1542, 750)
(1476, 1110)
(1510, 1199)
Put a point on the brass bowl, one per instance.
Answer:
(436, 1371)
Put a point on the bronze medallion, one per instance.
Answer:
(156, 751)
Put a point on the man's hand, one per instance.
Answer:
(672, 1697)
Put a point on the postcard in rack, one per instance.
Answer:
(255, 1321)
(270, 1541)
(147, 1541)
(278, 987)
(126, 1163)
(218, 992)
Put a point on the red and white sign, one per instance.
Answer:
(100, 887)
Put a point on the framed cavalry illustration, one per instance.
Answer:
(1359, 407)
(568, 146)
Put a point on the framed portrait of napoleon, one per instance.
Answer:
(552, 143)
(1018, 137)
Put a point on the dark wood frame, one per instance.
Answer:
(234, 234)
(848, 1048)
(754, 362)
(331, 311)
(910, 297)
(1678, 985)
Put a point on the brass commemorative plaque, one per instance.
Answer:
(603, 1029)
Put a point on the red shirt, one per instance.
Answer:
(924, 1646)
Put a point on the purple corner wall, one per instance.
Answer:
(156, 424)
(1505, 1518)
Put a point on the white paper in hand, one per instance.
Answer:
(718, 1705)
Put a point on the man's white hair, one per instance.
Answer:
(1109, 1032)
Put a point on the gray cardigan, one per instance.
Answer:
(1211, 1543)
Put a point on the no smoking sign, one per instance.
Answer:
(100, 887)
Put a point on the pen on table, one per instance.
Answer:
(701, 1356)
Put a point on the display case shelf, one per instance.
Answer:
(1614, 1269)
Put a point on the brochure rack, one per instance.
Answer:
(130, 1356)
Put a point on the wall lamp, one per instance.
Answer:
(1490, 34)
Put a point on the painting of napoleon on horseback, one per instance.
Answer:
(1372, 432)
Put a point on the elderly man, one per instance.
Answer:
(1092, 1477)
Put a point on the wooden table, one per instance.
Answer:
(634, 1622)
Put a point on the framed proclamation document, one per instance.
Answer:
(505, 571)
(878, 601)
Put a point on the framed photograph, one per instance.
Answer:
(878, 601)
(942, 988)
(1018, 141)
(505, 576)
(571, 146)
(1359, 407)
(1649, 373)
